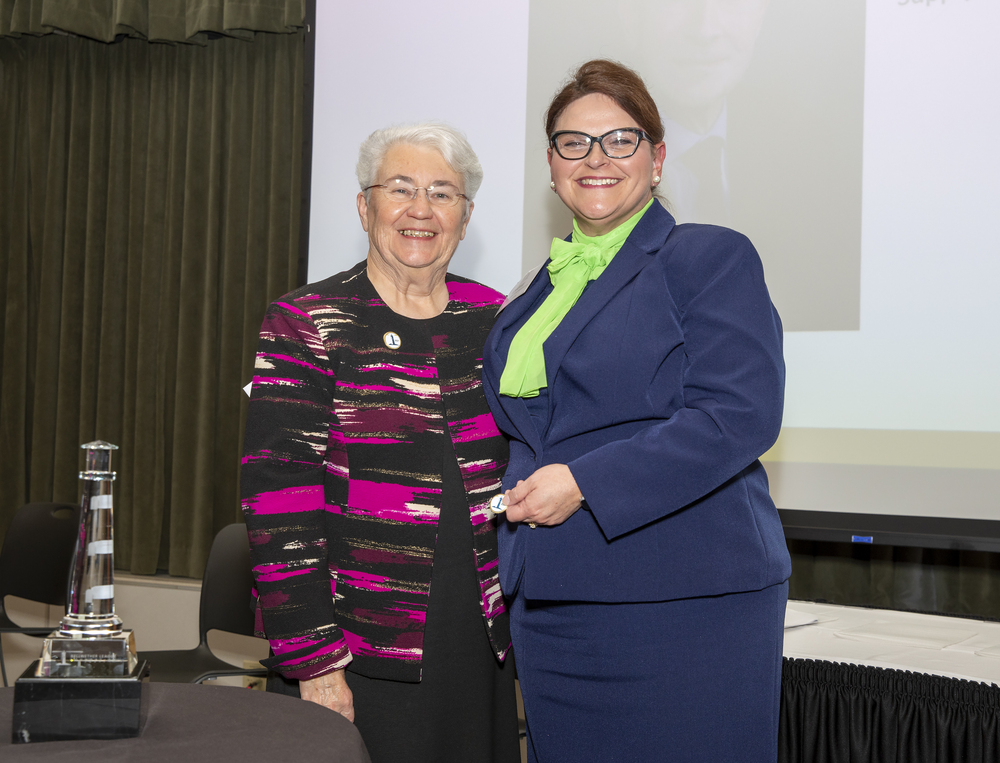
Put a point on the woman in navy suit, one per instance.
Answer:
(639, 377)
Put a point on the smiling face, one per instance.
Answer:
(407, 238)
(601, 192)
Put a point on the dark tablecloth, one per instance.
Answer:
(193, 723)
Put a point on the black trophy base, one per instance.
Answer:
(58, 709)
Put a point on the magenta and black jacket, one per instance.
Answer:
(341, 477)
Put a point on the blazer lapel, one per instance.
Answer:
(495, 357)
(647, 238)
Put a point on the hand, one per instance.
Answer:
(330, 690)
(549, 497)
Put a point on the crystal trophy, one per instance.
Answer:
(87, 683)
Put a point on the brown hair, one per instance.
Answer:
(619, 83)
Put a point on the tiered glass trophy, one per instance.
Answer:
(87, 683)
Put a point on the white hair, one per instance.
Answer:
(448, 141)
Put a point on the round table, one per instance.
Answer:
(197, 722)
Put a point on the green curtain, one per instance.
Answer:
(191, 21)
(149, 211)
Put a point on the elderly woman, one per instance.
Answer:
(639, 377)
(369, 461)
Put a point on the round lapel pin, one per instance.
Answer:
(496, 504)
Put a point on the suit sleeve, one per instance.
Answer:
(289, 421)
(732, 391)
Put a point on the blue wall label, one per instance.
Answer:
(862, 539)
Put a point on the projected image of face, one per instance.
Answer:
(760, 99)
(697, 51)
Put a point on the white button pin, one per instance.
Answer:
(392, 340)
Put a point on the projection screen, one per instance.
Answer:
(854, 143)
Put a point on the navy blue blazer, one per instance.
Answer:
(665, 385)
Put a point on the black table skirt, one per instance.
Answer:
(835, 713)
(193, 723)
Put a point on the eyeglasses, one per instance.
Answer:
(400, 191)
(616, 144)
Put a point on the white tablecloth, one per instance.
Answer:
(946, 646)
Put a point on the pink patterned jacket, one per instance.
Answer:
(341, 476)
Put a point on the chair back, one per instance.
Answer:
(226, 587)
(38, 551)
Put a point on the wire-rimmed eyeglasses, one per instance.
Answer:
(616, 144)
(400, 191)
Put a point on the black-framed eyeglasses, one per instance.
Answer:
(616, 144)
(400, 191)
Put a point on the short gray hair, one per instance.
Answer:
(448, 141)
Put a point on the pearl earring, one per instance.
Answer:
(552, 185)
(656, 179)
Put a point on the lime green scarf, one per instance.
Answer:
(573, 265)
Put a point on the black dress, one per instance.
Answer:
(439, 720)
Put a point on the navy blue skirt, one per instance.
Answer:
(687, 680)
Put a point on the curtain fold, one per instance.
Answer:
(149, 211)
(836, 713)
(191, 21)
